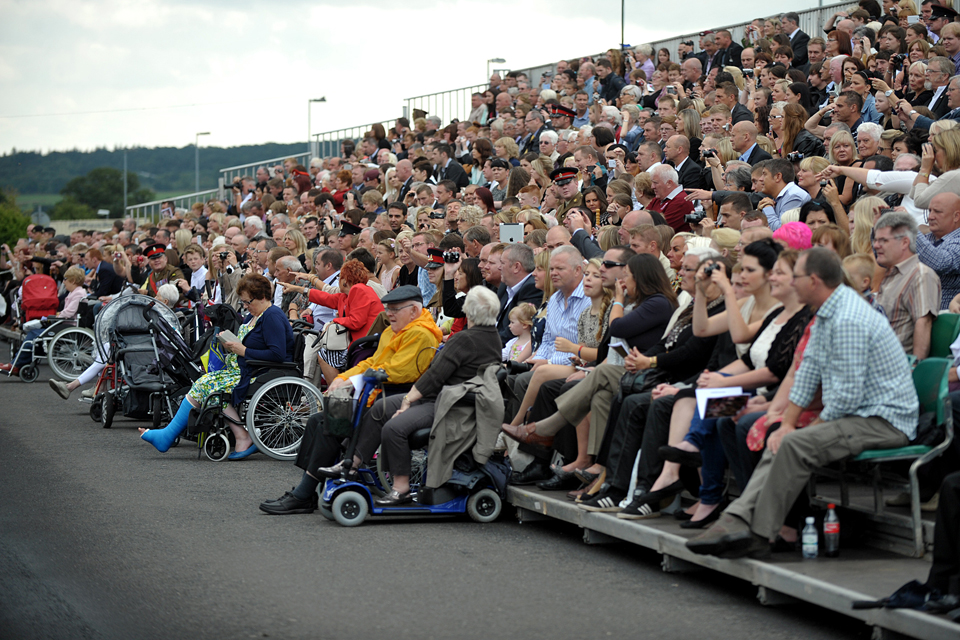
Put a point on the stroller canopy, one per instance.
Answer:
(125, 315)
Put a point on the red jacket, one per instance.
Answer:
(673, 210)
(355, 310)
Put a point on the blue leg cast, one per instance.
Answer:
(163, 438)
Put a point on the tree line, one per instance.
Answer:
(157, 169)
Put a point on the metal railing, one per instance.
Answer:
(328, 142)
(151, 210)
(446, 105)
(230, 174)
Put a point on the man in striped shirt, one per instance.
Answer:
(910, 291)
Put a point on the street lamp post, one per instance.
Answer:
(196, 146)
(495, 61)
(309, 127)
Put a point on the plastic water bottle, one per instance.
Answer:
(831, 533)
(808, 539)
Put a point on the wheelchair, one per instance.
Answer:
(349, 500)
(279, 402)
(67, 348)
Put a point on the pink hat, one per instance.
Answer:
(795, 234)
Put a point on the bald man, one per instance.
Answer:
(557, 237)
(630, 222)
(940, 249)
(743, 137)
(404, 173)
(677, 153)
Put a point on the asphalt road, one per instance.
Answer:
(102, 537)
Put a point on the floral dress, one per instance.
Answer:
(226, 378)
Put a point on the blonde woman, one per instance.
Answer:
(507, 149)
(866, 212)
(295, 242)
(393, 185)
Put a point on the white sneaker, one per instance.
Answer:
(60, 388)
(87, 393)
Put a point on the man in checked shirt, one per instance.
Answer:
(869, 402)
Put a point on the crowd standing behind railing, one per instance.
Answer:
(780, 214)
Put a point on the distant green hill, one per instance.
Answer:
(161, 169)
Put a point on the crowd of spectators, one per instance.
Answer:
(779, 214)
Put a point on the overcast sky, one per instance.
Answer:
(250, 67)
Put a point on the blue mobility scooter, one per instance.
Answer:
(350, 499)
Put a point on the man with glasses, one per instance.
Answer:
(534, 124)
(161, 272)
(910, 291)
(952, 103)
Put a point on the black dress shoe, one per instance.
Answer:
(686, 458)
(702, 524)
(682, 515)
(535, 472)
(289, 504)
(393, 499)
(560, 481)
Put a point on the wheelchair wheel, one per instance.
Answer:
(30, 372)
(216, 447)
(96, 409)
(418, 463)
(108, 408)
(350, 509)
(70, 352)
(277, 415)
(484, 506)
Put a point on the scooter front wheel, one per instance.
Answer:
(484, 506)
(350, 509)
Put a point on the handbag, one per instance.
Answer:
(335, 337)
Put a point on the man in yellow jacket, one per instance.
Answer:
(407, 347)
(405, 351)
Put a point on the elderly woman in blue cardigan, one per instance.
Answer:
(265, 336)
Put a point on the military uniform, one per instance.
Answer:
(575, 201)
(157, 279)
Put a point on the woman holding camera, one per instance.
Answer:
(223, 274)
(458, 278)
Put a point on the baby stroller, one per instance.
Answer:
(149, 367)
(67, 348)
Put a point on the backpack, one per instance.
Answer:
(39, 297)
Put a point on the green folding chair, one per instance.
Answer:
(931, 383)
(945, 330)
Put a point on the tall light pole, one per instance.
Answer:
(309, 127)
(196, 146)
(495, 61)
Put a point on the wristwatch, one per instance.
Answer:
(913, 112)
(888, 92)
